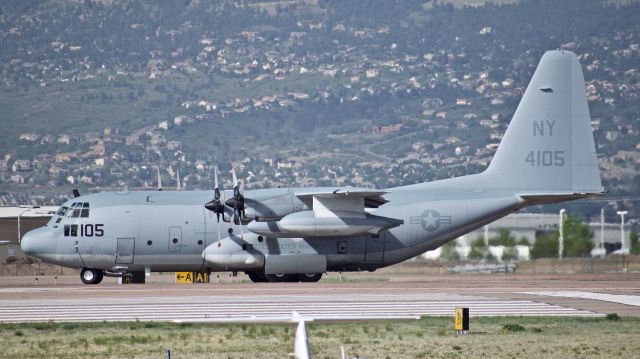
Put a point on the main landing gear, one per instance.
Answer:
(91, 276)
(259, 277)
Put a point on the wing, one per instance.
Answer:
(370, 197)
(334, 212)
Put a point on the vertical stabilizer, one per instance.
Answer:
(548, 146)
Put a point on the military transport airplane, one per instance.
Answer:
(547, 155)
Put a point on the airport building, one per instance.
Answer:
(527, 225)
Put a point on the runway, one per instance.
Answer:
(271, 308)
(399, 297)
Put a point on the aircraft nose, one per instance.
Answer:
(38, 242)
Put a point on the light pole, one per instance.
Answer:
(20, 215)
(623, 248)
(561, 237)
(602, 228)
(600, 251)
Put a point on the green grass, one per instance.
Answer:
(430, 337)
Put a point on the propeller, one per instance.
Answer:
(216, 205)
(237, 201)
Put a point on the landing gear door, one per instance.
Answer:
(175, 239)
(374, 250)
(124, 253)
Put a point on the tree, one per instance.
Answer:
(635, 242)
(577, 241)
(504, 238)
(577, 238)
(545, 246)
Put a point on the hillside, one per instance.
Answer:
(375, 93)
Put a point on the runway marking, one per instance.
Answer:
(242, 308)
(633, 300)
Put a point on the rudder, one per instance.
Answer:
(548, 146)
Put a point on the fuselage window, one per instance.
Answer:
(66, 230)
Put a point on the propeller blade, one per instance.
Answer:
(159, 180)
(216, 205)
(235, 179)
(237, 201)
(215, 180)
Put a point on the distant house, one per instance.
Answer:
(387, 128)
(299, 95)
(62, 157)
(17, 178)
(174, 145)
(29, 136)
(54, 171)
(21, 166)
(371, 73)
(64, 139)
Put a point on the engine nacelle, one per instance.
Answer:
(306, 224)
(229, 254)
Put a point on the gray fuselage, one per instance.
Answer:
(169, 230)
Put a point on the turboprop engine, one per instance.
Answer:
(233, 253)
(307, 224)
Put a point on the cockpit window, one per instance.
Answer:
(80, 209)
(85, 210)
(62, 211)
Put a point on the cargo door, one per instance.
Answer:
(124, 251)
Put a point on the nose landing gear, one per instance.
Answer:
(91, 276)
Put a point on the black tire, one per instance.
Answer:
(281, 278)
(257, 277)
(91, 276)
(309, 277)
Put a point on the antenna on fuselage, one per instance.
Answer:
(76, 193)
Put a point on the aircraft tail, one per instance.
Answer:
(548, 148)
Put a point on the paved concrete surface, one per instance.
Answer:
(364, 295)
(277, 307)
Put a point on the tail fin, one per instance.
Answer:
(548, 147)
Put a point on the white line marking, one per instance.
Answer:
(614, 298)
